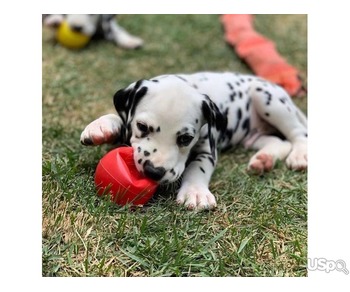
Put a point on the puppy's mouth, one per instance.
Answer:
(158, 173)
(153, 172)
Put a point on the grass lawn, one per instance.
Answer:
(260, 225)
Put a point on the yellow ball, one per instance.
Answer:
(69, 38)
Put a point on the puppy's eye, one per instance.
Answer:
(184, 140)
(142, 127)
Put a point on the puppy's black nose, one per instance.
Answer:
(76, 28)
(155, 173)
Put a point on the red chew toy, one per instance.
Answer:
(117, 175)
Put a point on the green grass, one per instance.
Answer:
(260, 225)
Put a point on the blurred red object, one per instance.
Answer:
(260, 53)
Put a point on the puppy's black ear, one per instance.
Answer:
(215, 119)
(126, 100)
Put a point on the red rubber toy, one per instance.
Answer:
(117, 175)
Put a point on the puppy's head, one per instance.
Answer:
(165, 117)
(87, 24)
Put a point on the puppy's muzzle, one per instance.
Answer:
(155, 173)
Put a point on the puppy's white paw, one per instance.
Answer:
(130, 42)
(297, 159)
(103, 130)
(196, 197)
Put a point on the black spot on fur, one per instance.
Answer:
(204, 154)
(213, 115)
(214, 118)
(196, 156)
(248, 104)
(154, 150)
(225, 113)
(283, 100)
(212, 141)
(232, 96)
(267, 114)
(239, 113)
(183, 79)
(146, 153)
(246, 124)
(139, 161)
(229, 134)
(202, 169)
(230, 85)
(211, 160)
(139, 149)
(269, 97)
(158, 129)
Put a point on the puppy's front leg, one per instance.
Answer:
(194, 191)
(122, 38)
(103, 130)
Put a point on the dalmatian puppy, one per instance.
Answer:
(177, 123)
(92, 25)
